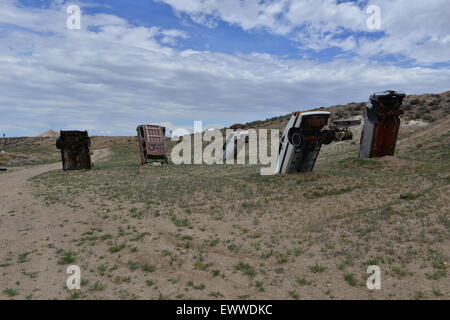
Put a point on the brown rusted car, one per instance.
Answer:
(75, 149)
(152, 146)
(381, 125)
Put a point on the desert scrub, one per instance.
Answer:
(117, 248)
(246, 269)
(303, 281)
(10, 292)
(351, 279)
(67, 257)
(317, 268)
(148, 268)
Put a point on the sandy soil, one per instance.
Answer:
(24, 217)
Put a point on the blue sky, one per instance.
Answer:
(175, 61)
(224, 37)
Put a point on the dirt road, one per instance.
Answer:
(24, 222)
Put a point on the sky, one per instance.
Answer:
(171, 62)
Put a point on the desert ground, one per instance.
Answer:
(225, 231)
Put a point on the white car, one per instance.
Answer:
(302, 140)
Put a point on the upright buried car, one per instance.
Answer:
(75, 149)
(381, 125)
(303, 138)
(152, 147)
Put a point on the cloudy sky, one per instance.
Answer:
(221, 61)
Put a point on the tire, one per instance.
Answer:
(328, 137)
(295, 137)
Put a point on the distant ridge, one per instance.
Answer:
(49, 134)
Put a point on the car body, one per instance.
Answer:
(75, 149)
(381, 124)
(302, 140)
(151, 140)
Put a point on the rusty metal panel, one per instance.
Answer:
(151, 141)
(75, 149)
(381, 125)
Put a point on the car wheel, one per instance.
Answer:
(295, 137)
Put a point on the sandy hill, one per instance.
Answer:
(49, 134)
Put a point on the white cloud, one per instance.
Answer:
(111, 76)
(417, 30)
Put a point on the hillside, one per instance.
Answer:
(425, 107)
(25, 151)
(49, 134)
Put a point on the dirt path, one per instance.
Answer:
(25, 222)
(13, 185)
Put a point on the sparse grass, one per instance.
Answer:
(317, 268)
(97, 286)
(409, 196)
(303, 281)
(67, 257)
(246, 269)
(351, 279)
(75, 295)
(10, 292)
(180, 223)
(216, 294)
(260, 286)
(133, 265)
(148, 268)
(420, 295)
(437, 292)
(117, 248)
(436, 275)
(23, 257)
(400, 272)
(294, 295)
(150, 283)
